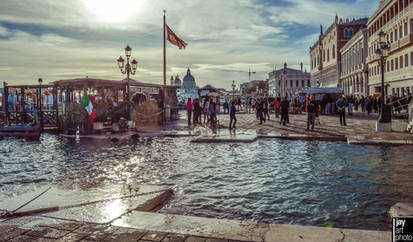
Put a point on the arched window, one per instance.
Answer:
(334, 52)
(345, 32)
(350, 32)
(328, 55)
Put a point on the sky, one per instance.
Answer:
(57, 40)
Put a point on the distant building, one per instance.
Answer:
(176, 81)
(188, 88)
(287, 81)
(354, 70)
(325, 53)
(207, 90)
(254, 87)
(395, 19)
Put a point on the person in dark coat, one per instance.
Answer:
(260, 110)
(233, 118)
(284, 105)
(311, 112)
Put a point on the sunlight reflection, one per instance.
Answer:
(112, 11)
(113, 208)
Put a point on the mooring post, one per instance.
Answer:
(6, 102)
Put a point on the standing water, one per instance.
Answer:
(274, 181)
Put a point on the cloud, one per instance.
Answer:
(4, 31)
(65, 39)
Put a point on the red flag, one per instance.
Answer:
(175, 39)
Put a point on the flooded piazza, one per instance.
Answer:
(274, 181)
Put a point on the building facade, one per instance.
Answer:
(325, 53)
(253, 87)
(287, 81)
(188, 88)
(176, 81)
(354, 69)
(395, 19)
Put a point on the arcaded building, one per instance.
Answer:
(354, 69)
(325, 53)
(395, 19)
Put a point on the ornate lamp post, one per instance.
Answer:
(233, 90)
(128, 69)
(40, 80)
(384, 122)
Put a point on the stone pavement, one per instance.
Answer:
(360, 128)
(177, 228)
(76, 231)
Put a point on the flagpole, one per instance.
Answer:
(164, 62)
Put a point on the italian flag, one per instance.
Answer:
(88, 105)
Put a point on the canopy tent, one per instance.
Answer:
(322, 90)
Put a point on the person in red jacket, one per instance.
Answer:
(189, 107)
(277, 107)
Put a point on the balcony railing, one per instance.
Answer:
(372, 58)
(406, 40)
(395, 19)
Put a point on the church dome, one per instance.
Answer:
(177, 81)
(189, 80)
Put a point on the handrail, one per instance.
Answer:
(402, 109)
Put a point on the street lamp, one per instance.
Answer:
(40, 80)
(233, 90)
(128, 69)
(384, 122)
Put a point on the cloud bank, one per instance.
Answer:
(69, 39)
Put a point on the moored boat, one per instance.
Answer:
(21, 131)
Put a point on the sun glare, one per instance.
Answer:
(114, 11)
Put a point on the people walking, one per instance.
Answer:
(197, 112)
(189, 108)
(277, 107)
(205, 106)
(350, 105)
(266, 109)
(368, 104)
(232, 116)
(363, 104)
(284, 105)
(311, 112)
(226, 106)
(341, 108)
(260, 110)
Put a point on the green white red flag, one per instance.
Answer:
(88, 105)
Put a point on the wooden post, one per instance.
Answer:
(164, 65)
(22, 103)
(40, 107)
(55, 107)
(6, 102)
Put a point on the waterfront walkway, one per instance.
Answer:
(360, 128)
(146, 226)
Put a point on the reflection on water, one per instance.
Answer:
(276, 181)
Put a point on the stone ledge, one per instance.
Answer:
(243, 231)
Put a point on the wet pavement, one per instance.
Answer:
(360, 128)
(164, 227)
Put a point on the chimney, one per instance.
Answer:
(301, 64)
